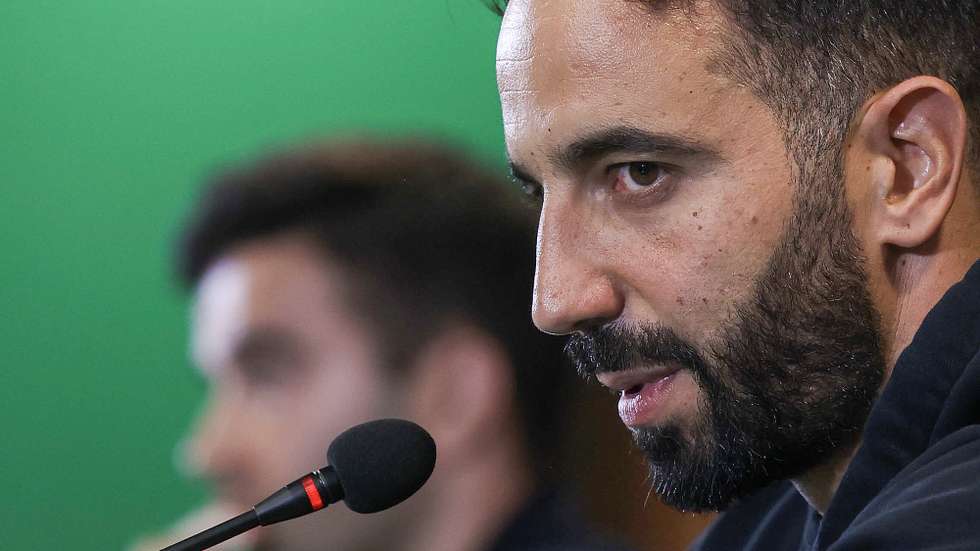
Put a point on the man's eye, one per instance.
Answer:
(532, 191)
(637, 176)
(265, 371)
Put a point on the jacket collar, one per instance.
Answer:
(929, 395)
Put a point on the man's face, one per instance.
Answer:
(289, 369)
(671, 244)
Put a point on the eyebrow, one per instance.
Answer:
(619, 139)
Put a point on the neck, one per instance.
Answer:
(915, 281)
(818, 485)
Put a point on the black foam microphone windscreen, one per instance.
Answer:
(381, 463)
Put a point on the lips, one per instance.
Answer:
(643, 392)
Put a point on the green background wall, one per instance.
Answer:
(111, 112)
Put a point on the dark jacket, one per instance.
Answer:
(914, 483)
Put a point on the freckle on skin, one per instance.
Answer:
(694, 214)
(755, 219)
(699, 228)
(680, 301)
(704, 300)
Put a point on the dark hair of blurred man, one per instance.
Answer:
(760, 224)
(358, 280)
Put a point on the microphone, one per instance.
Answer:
(372, 466)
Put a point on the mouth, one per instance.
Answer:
(642, 392)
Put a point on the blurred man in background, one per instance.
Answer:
(355, 281)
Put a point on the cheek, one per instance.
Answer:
(290, 427)
(332, 400)
(286, 437)
(696, 258)
(729, 248)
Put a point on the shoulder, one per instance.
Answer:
(934, 503)
(771, 519)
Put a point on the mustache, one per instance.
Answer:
(618, 347)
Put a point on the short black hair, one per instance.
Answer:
(426, 236)
(815, 62)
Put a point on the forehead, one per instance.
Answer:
(281, 284)
(565, 66)
(545, 45)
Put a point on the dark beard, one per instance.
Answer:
(789, 381)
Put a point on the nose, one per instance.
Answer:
(572, 289)
(213, 450)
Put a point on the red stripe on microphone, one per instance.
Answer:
(312, 493)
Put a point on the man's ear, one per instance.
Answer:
(915, 137)
(461, 390)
